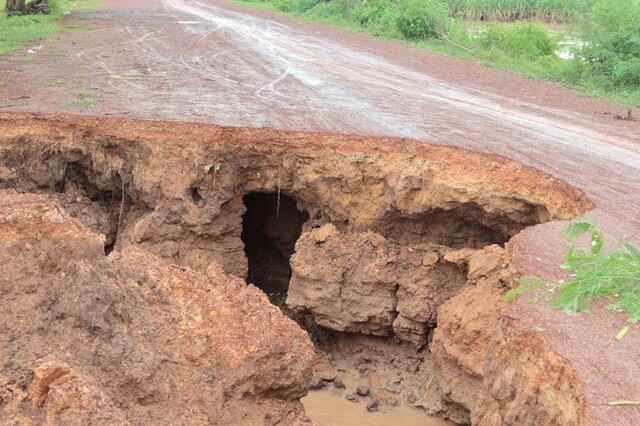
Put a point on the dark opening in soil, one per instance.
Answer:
(270, 228)
(100, 209)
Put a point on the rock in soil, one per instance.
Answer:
(338, 383)
(316, 384)
(363, 390)
(372, 406)
(351, 397)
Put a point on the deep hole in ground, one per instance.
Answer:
(270, 228)
(383, 244)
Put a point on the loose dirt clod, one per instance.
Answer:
(359, 235)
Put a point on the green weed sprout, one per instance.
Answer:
(614, 275)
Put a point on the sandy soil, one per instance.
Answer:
(223, 64)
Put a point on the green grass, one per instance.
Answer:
(83, 102)
(55, 83)
(77, 27)
(17, 104)
(16, 32)
(613, 275)
(85, 99)
(58, 53)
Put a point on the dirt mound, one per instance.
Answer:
(91, 339)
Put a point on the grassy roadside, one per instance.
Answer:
(524, 47)
(17, 32)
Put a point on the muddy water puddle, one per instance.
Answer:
(329, 408)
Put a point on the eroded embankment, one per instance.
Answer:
(374, 236)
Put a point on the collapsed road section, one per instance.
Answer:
(360, 236)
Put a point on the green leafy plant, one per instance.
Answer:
(597, 273)
(523, 39)
(298, 6)
(423, 19)
(377, 16)
(612, 35)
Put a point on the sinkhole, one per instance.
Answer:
(271, 226)
(393, 247)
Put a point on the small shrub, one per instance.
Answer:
(525, 39)
(423, 19)
(335, 12)
(366, 12)
(298, 6)
(377, 16)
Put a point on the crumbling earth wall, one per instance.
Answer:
(398, 236)
(130, 339)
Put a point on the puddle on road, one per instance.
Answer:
(329, 408)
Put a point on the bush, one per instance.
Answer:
(423, 19)
(525, 39)
(612, 43)
(298, 6)
(368, 12)
(511, 10)
(335, 12)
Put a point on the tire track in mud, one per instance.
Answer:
(357, 69)
(278, 66)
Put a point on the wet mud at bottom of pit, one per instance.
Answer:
(330, 408)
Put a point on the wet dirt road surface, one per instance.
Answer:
(213, 62)
(210, 61)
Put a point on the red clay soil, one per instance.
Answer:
(225, 64)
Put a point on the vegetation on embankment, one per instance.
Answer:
(17, 31)
(604, 49)
(511, 10)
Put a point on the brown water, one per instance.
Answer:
(329, 408)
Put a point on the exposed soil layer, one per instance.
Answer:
(178, 190)
(130, 339)
(394, 238)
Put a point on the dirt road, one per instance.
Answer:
(213, 62)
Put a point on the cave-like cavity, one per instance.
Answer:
(270, 228)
